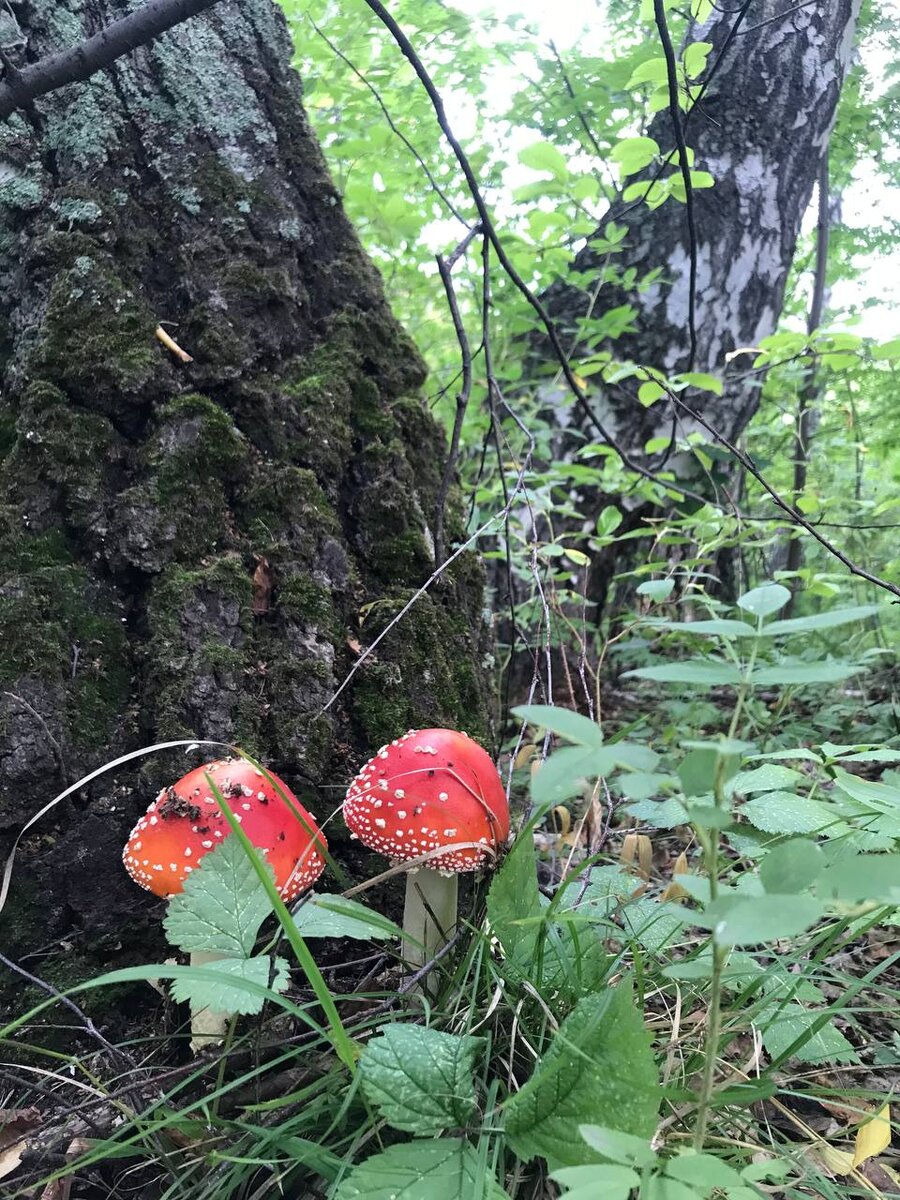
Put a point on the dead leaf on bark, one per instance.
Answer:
(60, 1189)
(15, 1126)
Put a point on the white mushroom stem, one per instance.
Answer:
(429, 913)
(207, 1026)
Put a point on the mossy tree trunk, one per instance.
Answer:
(141, 494)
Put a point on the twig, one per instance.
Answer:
(659, 12)
(445, 267)
(86, 58)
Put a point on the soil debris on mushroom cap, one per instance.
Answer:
(429, 789)
(185, 822)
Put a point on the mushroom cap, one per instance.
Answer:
(185, 822)
(428, 789)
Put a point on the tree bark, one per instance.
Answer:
(200, 548)
(760, 130)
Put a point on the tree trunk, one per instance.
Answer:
(196, 548)
(760, 130)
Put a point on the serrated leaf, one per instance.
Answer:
(783, 812)
(227, 996)
(325, 916)
(445, 1169)
(768, 778)
(762, 601)
(420, 1079)
(599, 1067)
(222, 906)
(690, 671)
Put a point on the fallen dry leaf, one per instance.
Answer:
(874, 1136)
(263, 581)
(15, 1126)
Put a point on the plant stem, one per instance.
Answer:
(429, 914)
(207, 1025)
(719, 954)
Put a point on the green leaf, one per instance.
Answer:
(560, 775)
(227, 995)
(420, 1079)
(599, 1067)
(692, 670)
(862, 877)
(570, 725)
(652, 924)
(700, 379)
(661, 1187)
(544, 156)
(222, 906)
(656, 589)
(784, 812)
(825, 620)
(754, 919)
(338, 917)
(445, 1169)
(653, 70)
(762, 601)
(608, 520)
(798, 673)
(650, 392)
(617, 1146)
(599, 1181)
(694, 58)
(887, 350)
(791, 867)
(716, 627)
(703, 1170)
(767, 778)
(634, 153)
(793, 1021)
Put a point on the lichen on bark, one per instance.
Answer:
(140, 494)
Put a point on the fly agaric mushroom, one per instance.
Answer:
(430, 789)
(185, 822)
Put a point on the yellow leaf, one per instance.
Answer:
(562, 820)
(873, 1137)
(526, 753)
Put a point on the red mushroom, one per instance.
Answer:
(185, 822)
(430, 790)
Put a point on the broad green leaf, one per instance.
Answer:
(661, 1187)
(704, 381)
(767, 778)
(634, 153)
(703, 1170)
(715, 627)
(747, 922)
(782, 1026)
(791, 867)
(765, 600)
(881, 797)
(887, 350)
(560, 776)
(825, 620)
(656, 589)
(419, 1079)
(608, 520)
(599, 1067)
(222, 906)
(784, 812)
(653, 70)
(227, 995)
(641, 785)
(599, 1181)
(570, 725)
(694, 58)
(617, 1146)
(696, 670)
(863, 877)
(798, 673)
(337, 917)
(661, 814)
(653, 924)
(444, 1169)
(650, 392)
(544, 156)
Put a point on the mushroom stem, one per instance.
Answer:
(429, 913)
(207, 1025)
